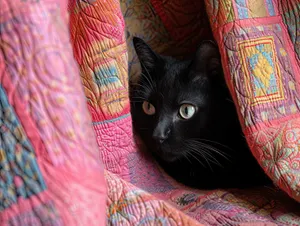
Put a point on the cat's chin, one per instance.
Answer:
(168, 157)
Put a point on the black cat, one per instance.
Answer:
(184, 113)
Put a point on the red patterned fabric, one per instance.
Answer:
(185, 20)
(258, 41)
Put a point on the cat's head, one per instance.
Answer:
(175, 104)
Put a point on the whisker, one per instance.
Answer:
(197, 159)
(211, 157)
(186, 156)
(229, 100)
(193, 150)
(141, 93)
(207, 157)
(204, 150)
(146, 76)
(151, 82)
(142, 86)
(214, 142)
(141, 98)
(210, 147)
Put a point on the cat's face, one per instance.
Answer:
(174, 105)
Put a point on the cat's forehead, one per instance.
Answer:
(172, 72)
(174, 68)
(175, 85)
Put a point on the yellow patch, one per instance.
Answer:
(282, 52)
(262, 73)
(2, 155)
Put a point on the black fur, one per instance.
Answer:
(208, 150)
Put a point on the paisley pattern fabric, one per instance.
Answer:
(22, 176)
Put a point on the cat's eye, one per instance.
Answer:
(148, 108)
(186, 111)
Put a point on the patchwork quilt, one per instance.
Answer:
(67, 152)
(258, 43)
(50, 168)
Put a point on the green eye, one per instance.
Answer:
(148, 108)
(186, 111)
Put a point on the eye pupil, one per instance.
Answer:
(186, 111)
(148, 108)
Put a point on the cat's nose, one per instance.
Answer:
(160, 136)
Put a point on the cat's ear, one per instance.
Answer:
(148, 58)
(207, 60)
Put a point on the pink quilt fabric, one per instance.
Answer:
(262, 71)
(139, 192)
(50, 170)
(54, 126)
